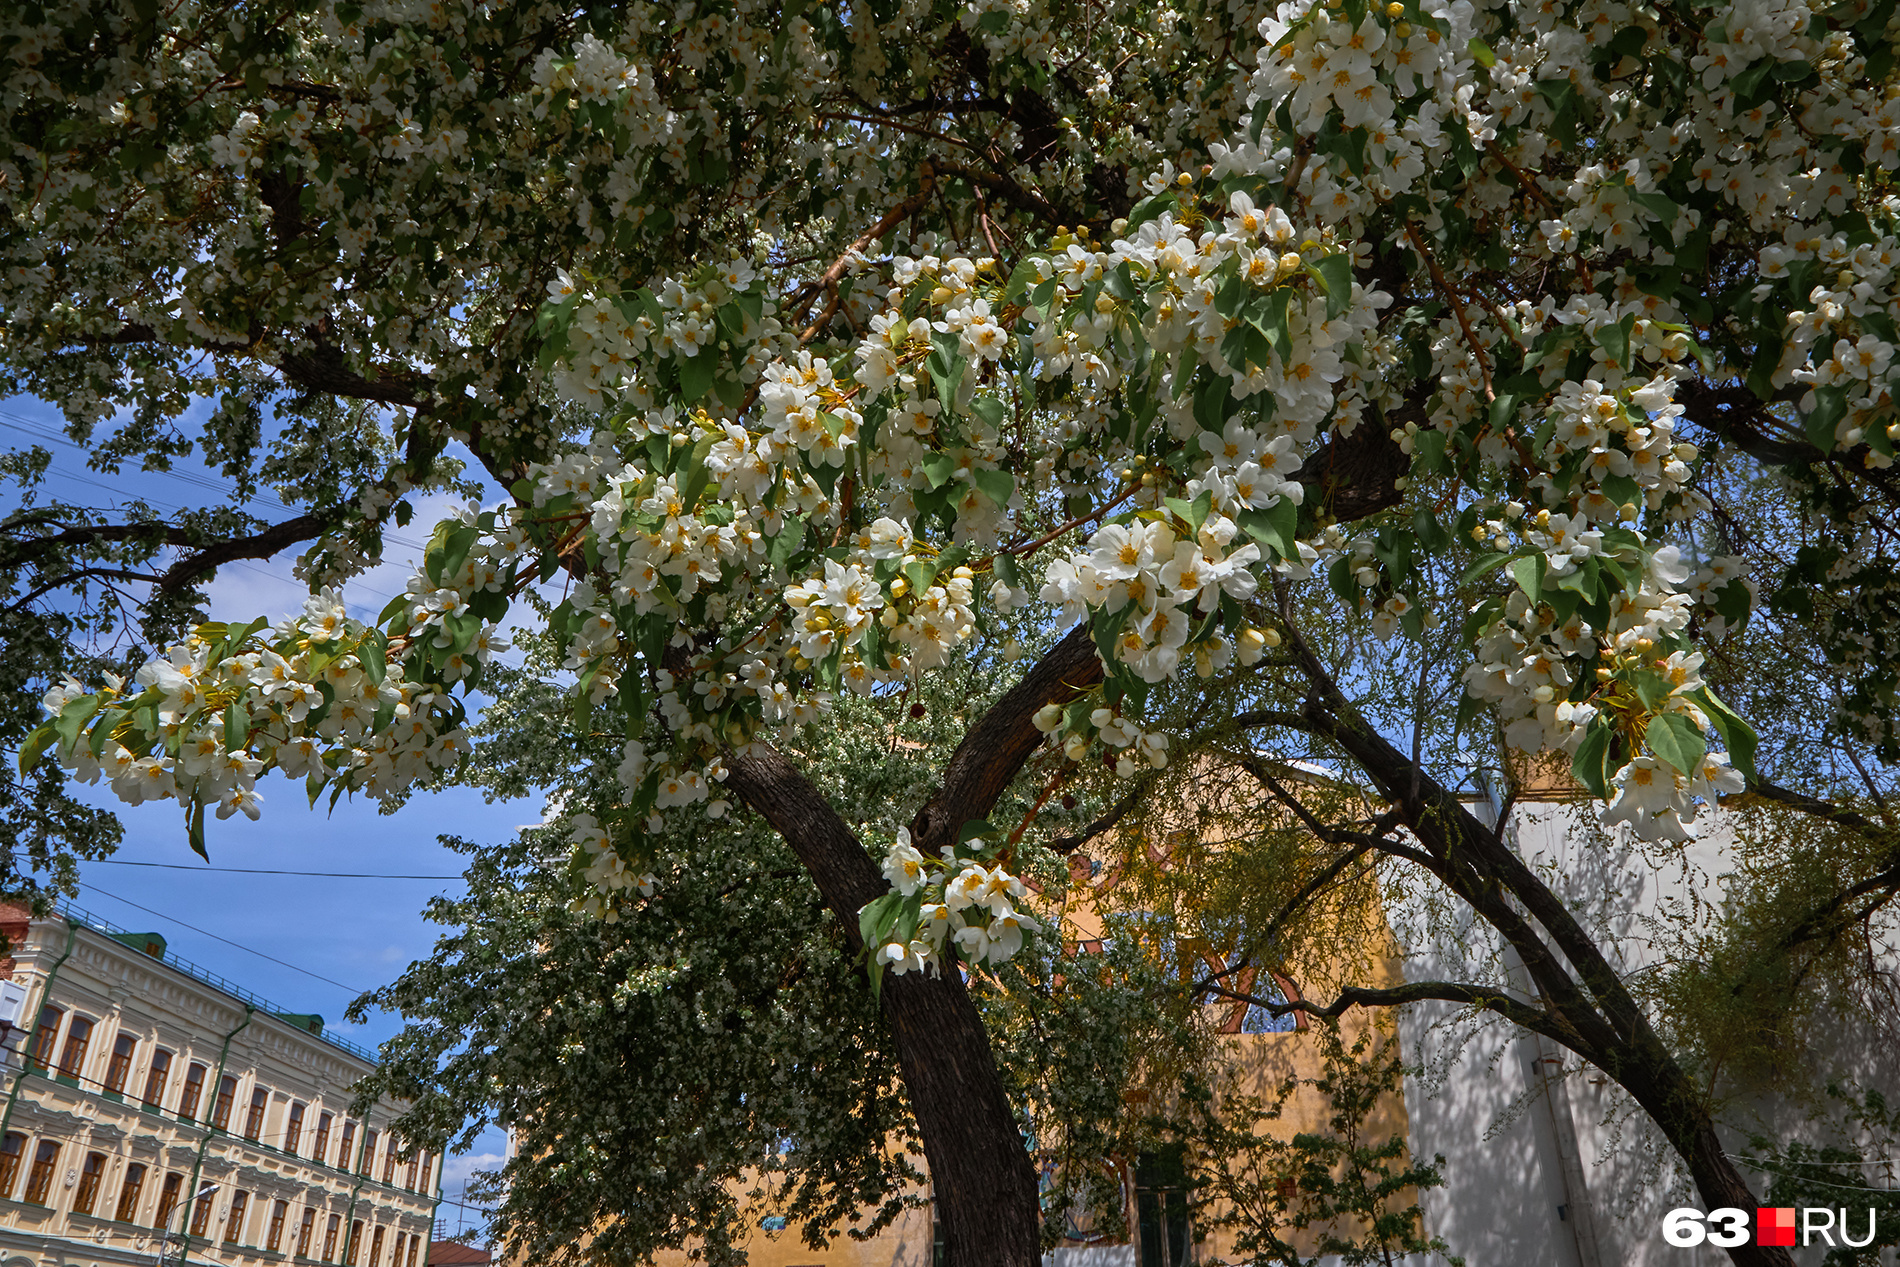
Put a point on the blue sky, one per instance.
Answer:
(346, 935)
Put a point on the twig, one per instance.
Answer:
(1457, 307)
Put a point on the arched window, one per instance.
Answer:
(168, 1201)
(128, 1211)
(278, 1214)
(254, 1120)
(155, 1077)
(10, 1149)
(321, 1149)
(293, 1129)
(120, 1067)
(194, 1092)
(44, 1035)
(39, 1181)
(329, 1238)
(91, 1171)
(227, 1096)
(304, 1230)
(1241, 1016)
(201, 1214)
(72, 1057)
(234, 1225)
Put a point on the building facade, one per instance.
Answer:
(156, 1113)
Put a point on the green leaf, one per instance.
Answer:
(237, 726)
(1481, 53)
(195, 829)
(1152, 208)
(1677, 740)
(1737, 735)
(696, 375)
(1431, 534)
(1528, 572)
(1021, 279)
(72, 718)
(1274, 527)
(939, 467)
(1484, 565)
(1615, 340)
(995, 485)
(373, 654)
(1334, 273)
(697, 474)
(991, 410)
(786, 545)
(1830, 406)
(974, 828)
(1592, 757)
(36, 744)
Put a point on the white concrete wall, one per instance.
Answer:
(1497, 1102)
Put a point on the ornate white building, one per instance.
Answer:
(156, 1113)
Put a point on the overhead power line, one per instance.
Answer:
(315, 976)
(326, 875)
(210, 483)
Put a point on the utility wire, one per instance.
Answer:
(226, 940)
(327, 875)
(16, 422)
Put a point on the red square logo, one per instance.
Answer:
(1774, 1225)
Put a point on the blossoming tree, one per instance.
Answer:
(803, 338)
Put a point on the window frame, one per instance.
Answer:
(76, 1047)
(254, 1115)
(306, 1229)
(320, 1151)
(125, 1050)
(10, 1160)
(193, 1094)
(234, 1221)
(329, 1237)
(40, 1178)
(223, 1102)
(46, 1036)
(293, 1127)
(169, 1195)
(201, 1215)
(131, 1189)
(92, 1174)
(159, 1070)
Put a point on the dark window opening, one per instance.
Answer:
(1161, 1208)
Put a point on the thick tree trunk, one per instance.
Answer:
(980, 1170)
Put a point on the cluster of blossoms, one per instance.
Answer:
(604, 872)
(771, 510)
(953, 905)
(312, 697)
(1126, 747)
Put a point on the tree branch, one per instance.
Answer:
(995, 748)
(1518, 1011)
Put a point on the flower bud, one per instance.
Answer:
(1048, 717)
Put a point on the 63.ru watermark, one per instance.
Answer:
(1769, 1225)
